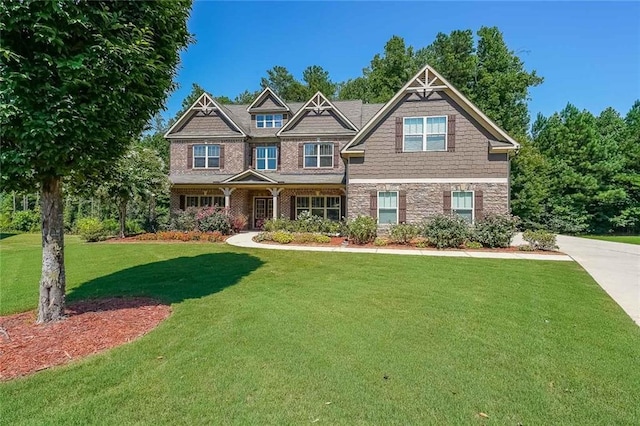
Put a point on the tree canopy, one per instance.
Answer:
(79, 81)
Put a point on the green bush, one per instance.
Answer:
(184, 220)
(540, 240)
(403, 233)
(91, 229)
(132, 227)
(305, 223)
(322, 239)
(495, 230)
(26, 221)
(5, 222)
(282, 237)
(278, 224)
(362, 229)
(446, 231)
(212, 219)
(263, 236)
(380, 241)
(473, 245)
(111, 226)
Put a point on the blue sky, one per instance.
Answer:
(588, 52)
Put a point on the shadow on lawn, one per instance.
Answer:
(172, 281)
(4, 235)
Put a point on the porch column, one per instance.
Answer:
(227, 198)
(274, 193)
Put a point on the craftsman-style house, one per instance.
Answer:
(428, 150)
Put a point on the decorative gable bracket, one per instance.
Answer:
(426, 81)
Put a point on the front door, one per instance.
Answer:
(262, 210)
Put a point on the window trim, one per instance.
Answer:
(473, 203)
(206, 156)
(397, 207)
(266, 158)
(325, 208)
(272, 122)
(199, 201)
(425, 134)
(317, 156)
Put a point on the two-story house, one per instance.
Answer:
(428, 150)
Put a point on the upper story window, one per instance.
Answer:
(425, 134)
(268, 121)
(318, 155)
(206, 156)
(462, 204)
(266, 158)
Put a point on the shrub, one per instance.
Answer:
(495, 230)
(239, 222)
(149, 236)
(525, 247)
(132, 227)
(212, 219)
(278, 224)
(184, 220)
(473, 245)
(304, 237)
(540, 240)
(213, 237)
(420, 242)
(403, 233)
(446, 231)
(362, 229)
(5, 221)
(282, 237)
(111, 226)
(321, 239)
(26, 221)
(91, 229)
(263, 236)
(380, 241)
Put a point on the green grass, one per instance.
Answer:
(278, 337)
(628, 239)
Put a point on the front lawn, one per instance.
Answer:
(279, 337)
(628, 239)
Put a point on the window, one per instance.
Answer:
(425, 134)
(206, 156)
(268, 121)
(388, 207)
(462, 204)
(325, 207)
(266, 158)
(318, 155)
(204, 201)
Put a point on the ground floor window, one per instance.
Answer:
(204, 201)
(462, 204)
(325, 207)
(388, 207)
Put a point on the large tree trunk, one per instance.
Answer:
(122, 212)
(53, 279)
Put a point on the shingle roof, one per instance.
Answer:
(283, 178)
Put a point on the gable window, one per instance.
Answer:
(206, 156)
(388, 207)
(462, 204)
(425, 134)
(266, 158)
(204, 201)
(318, 155)
(324, 207)
(268, 121)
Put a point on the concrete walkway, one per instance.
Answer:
(614, 266)
(246, 240)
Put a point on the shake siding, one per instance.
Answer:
(268, 102)
(212, 124)
(470, 158)
(312, 123)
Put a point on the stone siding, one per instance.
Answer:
(426, 199)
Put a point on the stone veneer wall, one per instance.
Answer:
(425, 199)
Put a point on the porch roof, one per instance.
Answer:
(278, 178)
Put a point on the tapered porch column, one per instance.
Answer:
(227, 198)
(275, 192)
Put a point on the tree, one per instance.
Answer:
(317, 80)
(139, 174)
(246, 97)
(79, 81)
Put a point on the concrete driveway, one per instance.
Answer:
(615, 266)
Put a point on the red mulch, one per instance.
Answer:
(91, 326)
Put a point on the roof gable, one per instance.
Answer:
(428, 80)
(201, 115)
(326, 114)
(249, 176)
(267, 101)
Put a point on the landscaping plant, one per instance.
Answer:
(495, 230)
(446, 231)
(362, 229)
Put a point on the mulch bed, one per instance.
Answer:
(90, 327)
